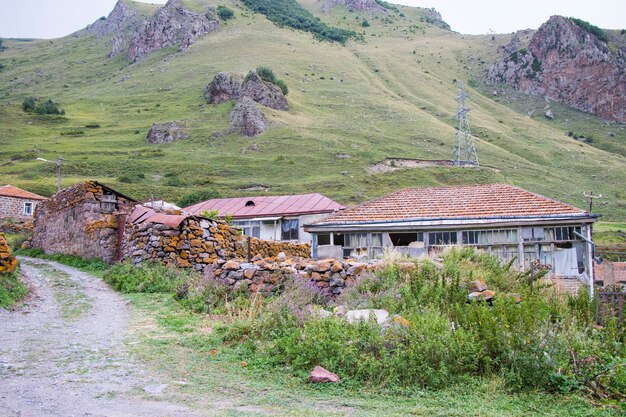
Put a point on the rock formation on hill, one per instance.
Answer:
(170, 25)
(227, 86)
(433, 17)
(224, 87)
(263, 92)
(166, 132)
(117, 22)
(247, 118)
(358, 5)
(570, 64)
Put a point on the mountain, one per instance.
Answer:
(570, 61)
(366, 106)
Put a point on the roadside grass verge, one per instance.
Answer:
(93, 266)
(12, 289)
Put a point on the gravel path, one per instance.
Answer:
(63, 353)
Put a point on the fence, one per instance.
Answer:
(609, 304)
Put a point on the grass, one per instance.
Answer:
(390, 95)
(93, 266)
(68, 293)
(182, 344)
(12, 289)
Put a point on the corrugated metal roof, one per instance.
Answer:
(11, 191)
(143, 214)
(471, 201)
(263, 206)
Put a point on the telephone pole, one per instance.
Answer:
(590, 196)
(464, 150)
(59, 164)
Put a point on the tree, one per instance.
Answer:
(225, 13)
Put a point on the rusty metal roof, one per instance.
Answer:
(456, 202)
(143, 214)
(263, 206)
(11, 191)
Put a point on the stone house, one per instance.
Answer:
(514, 224)
(18, 204)
(279, 218)
(82, 220)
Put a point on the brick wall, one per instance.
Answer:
(610, 273)
(13, 208)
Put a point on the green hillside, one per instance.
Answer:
(389, 95)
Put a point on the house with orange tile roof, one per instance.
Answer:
(279, 217)
(17, 204)
(512, 223)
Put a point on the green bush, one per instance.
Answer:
(94, 265)
(365, 23)
(12, 289)
(32, 105)
(267, 75)
(594, 30)
(225, 13)
(2, 47)
(290, 13)
(196, 197)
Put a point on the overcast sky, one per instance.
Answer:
(56, 18)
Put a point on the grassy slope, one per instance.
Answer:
(378, 99)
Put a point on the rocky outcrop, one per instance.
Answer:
(117, 22)
(228, 86)
(263, 92)
(224, 87)
(358, 5)
(120, 23)
(166, 132)
(433, 17)
(170, 25)
(569, 64)
(247, 118)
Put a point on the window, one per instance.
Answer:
(323, 239)
(250, 228)
(289, 229)
(108, 203)
(562, 233)
(405, 239)
(442, 238)
(488, 237)
(355, 245)
(530, 234)
(28, 209)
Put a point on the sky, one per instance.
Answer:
(56, 18)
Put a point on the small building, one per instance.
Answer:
(507, 221)
(82, 220)
(18, 204)
(271, 217)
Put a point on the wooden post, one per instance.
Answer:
(532, 276)
(249, 249)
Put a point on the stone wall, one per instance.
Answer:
(268, 275)
(13, 208)
(8, 263)
(193, 242)
(81, 220)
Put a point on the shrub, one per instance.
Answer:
(196, 197)
(74, 132)
(290, 13)
(2, 47)
(594, 30)
(32, 105)
(225, 13)
(365, 23)
(536, 65)
(92, 126)
(266, 74)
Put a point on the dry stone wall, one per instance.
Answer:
(13, 208)
(196, 243)
(8, 262)
(81, 220)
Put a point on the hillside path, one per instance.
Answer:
(63, 353)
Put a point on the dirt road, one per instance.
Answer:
(64, 352)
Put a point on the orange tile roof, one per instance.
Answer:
(471, 201)
(11, 191)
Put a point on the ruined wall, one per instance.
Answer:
(8, 263)
(13, 208)
(611, 273)
(80, 221)
(196, 243)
